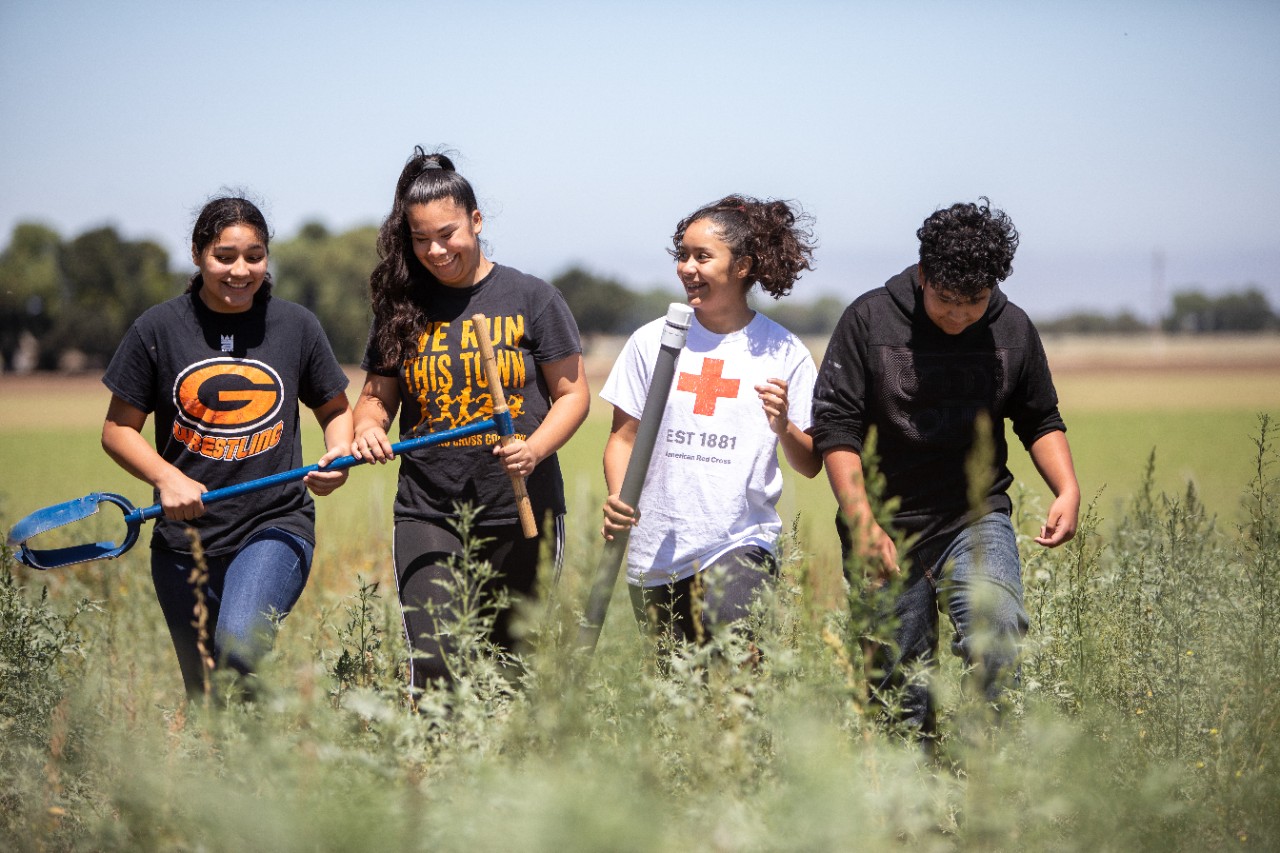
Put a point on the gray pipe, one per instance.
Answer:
(679, 318)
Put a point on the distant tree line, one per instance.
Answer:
(1192, 313)
(65, 304)
(1232, 312)
(606, 306)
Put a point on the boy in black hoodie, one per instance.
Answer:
(925, 360)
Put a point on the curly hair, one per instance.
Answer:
(778, 240)
(394, 285)
(218, 215)
(967, 248)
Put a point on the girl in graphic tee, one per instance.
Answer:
(224, 367)
(423, 360)
(743, 387)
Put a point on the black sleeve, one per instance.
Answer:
(555, 328)
(1033, 409)
(321, 378)
(372, 356)
(131, 374)
(840, 394)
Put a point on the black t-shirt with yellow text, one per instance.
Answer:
(444, 387)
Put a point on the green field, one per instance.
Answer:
(1147, 718)
(1201, 427)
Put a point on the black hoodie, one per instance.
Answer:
(889, 367)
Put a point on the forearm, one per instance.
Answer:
(566, 414)
(376, 405)
(617, 455)
(570, 402)
(1052, 457)
(370, 414)
(844, 473)
(122, 439)
(132, 452)
(334, 418)
(844, 470)
(797, 447)
(338, 425)
(339, 432)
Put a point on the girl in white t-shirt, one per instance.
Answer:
(743, 386)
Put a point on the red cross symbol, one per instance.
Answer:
(709, 386)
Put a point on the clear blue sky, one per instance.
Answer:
(1110, 131)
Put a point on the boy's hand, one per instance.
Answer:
(875, 546)
(880, 549)
(1060, 526)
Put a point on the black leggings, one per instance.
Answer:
(422, 551)
(729, 586)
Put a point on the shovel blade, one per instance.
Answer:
(56, 558)
(60, 515)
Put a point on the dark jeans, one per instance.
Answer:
(977, 578)
(421, 553)
(243, 588)
(729, 586)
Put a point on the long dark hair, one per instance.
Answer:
(778, 239)
(218, 215)
(399, 314)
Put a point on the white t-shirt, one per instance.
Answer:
(714, 480)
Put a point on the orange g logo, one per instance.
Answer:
(227, 395)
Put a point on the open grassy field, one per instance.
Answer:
(1148, 717)
(1193, 402)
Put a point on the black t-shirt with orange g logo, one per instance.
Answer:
(224, 390)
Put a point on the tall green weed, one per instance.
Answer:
(1146, 719)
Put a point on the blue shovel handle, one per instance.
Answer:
(340, 464)
(71, 511)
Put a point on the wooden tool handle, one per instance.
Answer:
(523, 506)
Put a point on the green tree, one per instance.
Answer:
(1244, 312)
(109, 282)
(1092, 323)
(600, 305)
(329, 274)
(30, 286)
(78, 296)
(1195, 312)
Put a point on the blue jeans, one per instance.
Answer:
(978, 579)
(267, 574)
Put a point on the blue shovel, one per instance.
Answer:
(50, 518)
